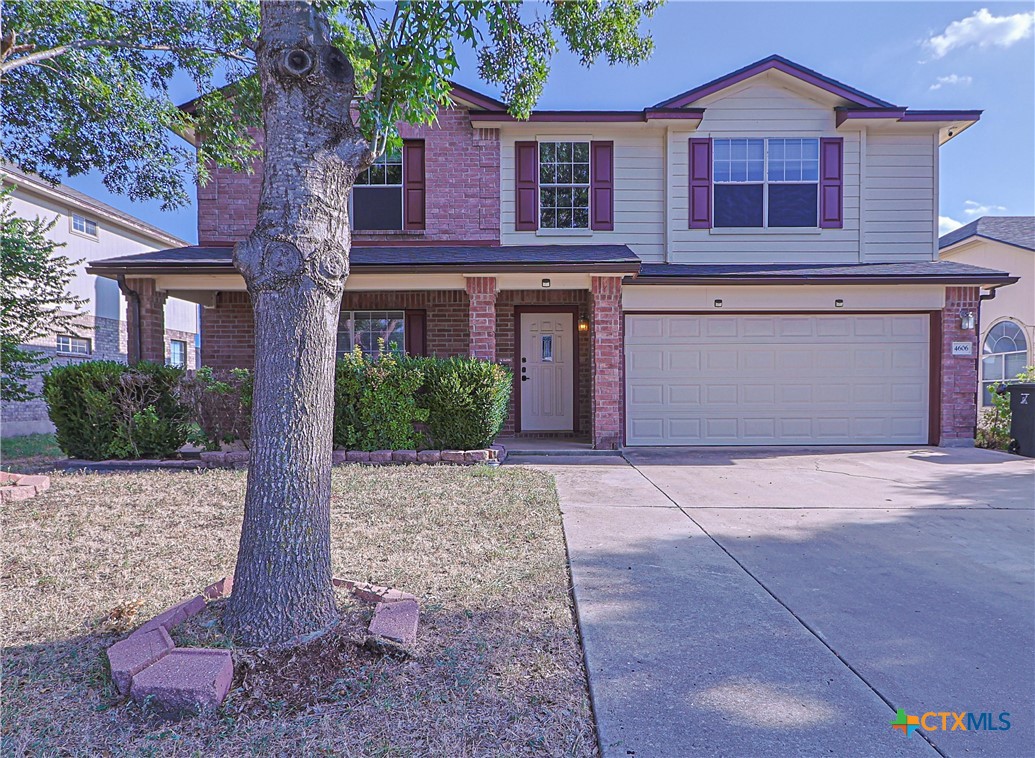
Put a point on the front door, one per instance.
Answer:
(547, 372)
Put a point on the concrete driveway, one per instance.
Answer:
(757, 602)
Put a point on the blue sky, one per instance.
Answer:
(925, 55)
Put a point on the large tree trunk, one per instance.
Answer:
(295, 263)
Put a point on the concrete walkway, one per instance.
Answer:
(756, 602)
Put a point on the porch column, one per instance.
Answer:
(959, 374)
(481, 315)
(145, 320)
(606, 296)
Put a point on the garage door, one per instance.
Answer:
(772, 379)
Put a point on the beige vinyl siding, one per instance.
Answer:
(763, 108)
(639, 186)
(900, 195)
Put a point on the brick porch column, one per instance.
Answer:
(151, 327)
(481, 315)
(959, 380)
(606, 295)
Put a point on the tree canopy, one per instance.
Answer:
(87, 82)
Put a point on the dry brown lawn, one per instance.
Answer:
(498, 670)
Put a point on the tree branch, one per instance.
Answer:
(54, 52)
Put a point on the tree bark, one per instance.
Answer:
(295, 263)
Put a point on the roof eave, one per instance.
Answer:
(855, 280)
(112, 271)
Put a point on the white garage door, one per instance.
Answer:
(773, 379)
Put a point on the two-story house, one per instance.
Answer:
(751, 262)
(88, 230)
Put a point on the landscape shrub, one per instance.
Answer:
(375, 402)
(219, 406)
(105, 409)
(466, 400)
(993, 429)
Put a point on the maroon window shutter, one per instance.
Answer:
(416, 334)
(526, 186)
(700, 182)
(831, 182)
(602, 186)
(414, 193)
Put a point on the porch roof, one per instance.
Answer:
(922, 272)
(197, 259)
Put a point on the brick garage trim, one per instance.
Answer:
(608, 363)
(957, 381)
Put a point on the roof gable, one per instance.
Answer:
(1018, 231)
(785, 66)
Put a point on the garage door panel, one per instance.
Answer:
(779, 379)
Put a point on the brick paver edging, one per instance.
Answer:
(491, 456)
(176, 682)
(14, 487)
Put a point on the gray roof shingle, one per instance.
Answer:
(1013, 230)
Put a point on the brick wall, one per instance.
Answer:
(462, 175)
(607, 362)
(152, 341)
(228, 332)
(481, 293)
(959, 374)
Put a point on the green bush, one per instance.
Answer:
(466, 400)
(993, 429)
(375, 402)
(105, 409)
(219, 404)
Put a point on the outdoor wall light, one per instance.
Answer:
(546, 282)
(583, 325)
(966, 319)
(718, 303)
(839, 303)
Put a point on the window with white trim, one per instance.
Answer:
(69, 345)
(377, 195)
(178, 353)
(1003, 356)
(765, 182)
(564, 185)
(83, 225)
(368, 328)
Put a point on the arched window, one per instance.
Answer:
(1002, 356)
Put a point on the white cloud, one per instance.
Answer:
(974, 208)
(951, 80)
(947, 224)
(982, 29)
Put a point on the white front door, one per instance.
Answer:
(546, 371)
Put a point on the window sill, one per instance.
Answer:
(85, 236)
(61, 354)
(765, 231)
(391, 232)
(564, 233)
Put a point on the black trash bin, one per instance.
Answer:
(1022, 417)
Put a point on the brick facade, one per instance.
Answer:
(608, 362)
(151, 345)
(959, 374)
(481, 316)
(462, 172)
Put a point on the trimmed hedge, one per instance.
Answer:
(466, 399)
(105, 409)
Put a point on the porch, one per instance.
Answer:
(551, 314)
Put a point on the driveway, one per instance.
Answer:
(738, 602)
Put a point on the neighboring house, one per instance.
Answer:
(1007, 320)
(89, 231)
(751, 262)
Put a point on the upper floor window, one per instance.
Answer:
(1003, 356)
(766, 182)
(564, 185)
(70, 345)
(390, 195)
(83, 225)
(178, 353)
(368, 328)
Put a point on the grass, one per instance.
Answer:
(30, 448)
(498, 670)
